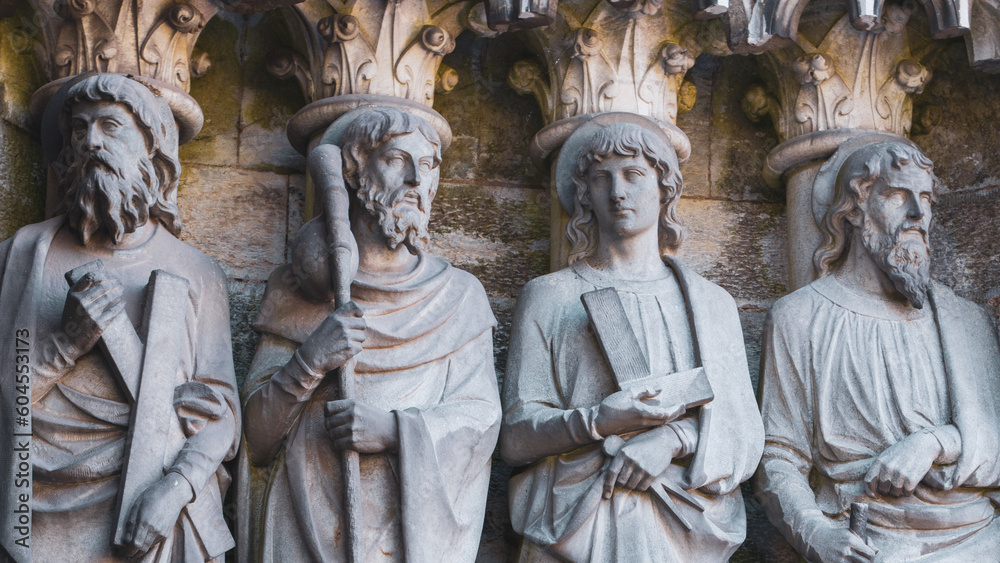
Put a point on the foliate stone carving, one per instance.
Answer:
(625, 56)
(152, 39)
(757, 26)
(167, 53)
(851, 79)
(343, 48)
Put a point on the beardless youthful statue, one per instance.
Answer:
(672, 491)
(881, 386)
(426, 413)
(132, 389)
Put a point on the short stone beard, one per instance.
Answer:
(906, 262)
(102, 194)
(400, 222)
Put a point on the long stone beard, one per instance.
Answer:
(399, 221)
(906, 262)
(101, 195)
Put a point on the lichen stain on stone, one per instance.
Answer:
(965, 249)
(22, 192)
(460, 248)
(22, 72)
(495, 222)
(738, 245)
(218, 94)
(272, 101)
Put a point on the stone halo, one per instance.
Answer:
(46, 104)
(569, 153)
(325, 118)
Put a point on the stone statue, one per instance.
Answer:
(880, 387)
(133, 401)
(672, 491)
(427, 411)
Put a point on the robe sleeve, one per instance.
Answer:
(279, 389)
(532, 407)
(445, 453)
(730, 432)
(217, 437)
(782, 480)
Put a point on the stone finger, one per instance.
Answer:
(611, 476)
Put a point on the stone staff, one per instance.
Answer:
(325, 168)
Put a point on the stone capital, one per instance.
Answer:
(346, 54)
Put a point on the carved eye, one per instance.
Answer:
(426, 165)
(110, 126)
(633, 175)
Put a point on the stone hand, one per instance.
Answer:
(354, 425)
(641, 460)
(631, 410)
(901, 466)
(155, 512)
(337, 339)
(90, 306)
(831, 544)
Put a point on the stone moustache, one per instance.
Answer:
(125, 334)
(611, 470)
(426, 411)
(881, 385)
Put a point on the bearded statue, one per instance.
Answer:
(426, 410)
(879, 386)
(127, 404)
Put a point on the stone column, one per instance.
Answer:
(369, 53)
(150, 39)
(848, 87)
(607, 56)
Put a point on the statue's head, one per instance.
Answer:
(883, 202)
(626, 179)
(116, 168)
(392, 162)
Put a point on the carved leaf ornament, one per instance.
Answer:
(110, 36)
(86, 41)
(166, 53)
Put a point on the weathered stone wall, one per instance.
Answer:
(242, 190)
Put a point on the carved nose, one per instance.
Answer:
(92, 138)
(915, 210)
(617, 192)
(410, 175)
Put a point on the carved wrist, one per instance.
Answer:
(305, 366)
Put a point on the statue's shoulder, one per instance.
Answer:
(946, 299)
(457, 276)
(185, 260)
(553, 289)
(796, 310)
(698, 287)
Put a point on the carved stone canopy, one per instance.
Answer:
(152, 39)
(386, 49)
